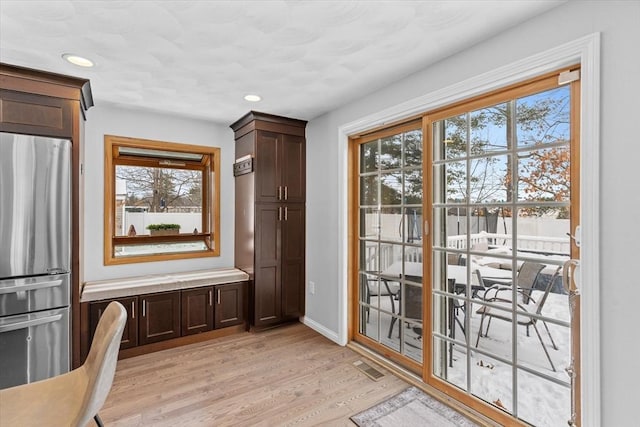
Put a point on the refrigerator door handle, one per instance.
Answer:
(29, 286)
(28, 323)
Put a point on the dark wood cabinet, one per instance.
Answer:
(212, 307)
(267, 298)
(153, 318)
(280, 160)
(130, 333)
(159, 317)
(197, 310)
(36, 114)
(292, 255)
(229, 305)
(270, 215)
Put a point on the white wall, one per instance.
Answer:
(111, 120)
(619, 24)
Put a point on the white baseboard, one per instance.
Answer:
(321, 329)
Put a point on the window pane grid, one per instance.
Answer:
(391, 209)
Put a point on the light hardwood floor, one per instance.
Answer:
(285, 376)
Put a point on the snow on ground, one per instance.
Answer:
(541, 401)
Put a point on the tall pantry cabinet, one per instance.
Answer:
(270, 215)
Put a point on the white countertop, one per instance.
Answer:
(130, 286)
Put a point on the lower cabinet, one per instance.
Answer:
(130, 333)
(162, 316)
(197, 310)
(230, 305)
(213, 307)
(159, 317)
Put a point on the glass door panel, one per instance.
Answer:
(390, 242)
(501, 217)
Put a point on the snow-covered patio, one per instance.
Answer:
(542, 394)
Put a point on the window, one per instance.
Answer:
(162, 201)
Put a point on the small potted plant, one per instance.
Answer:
(163, 229)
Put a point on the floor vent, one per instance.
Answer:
(369, 371)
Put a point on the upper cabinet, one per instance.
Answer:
(277, 146)
(44, 104)
(280, 162)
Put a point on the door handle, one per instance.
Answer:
(286, 213)
(279, 213)
(286, 192)
(210, 297)
(568, 278)
(144, 308)
(30, 286)
(279, 192)
(569, 284)
(218, 297)
(28, 323)
(133, 309)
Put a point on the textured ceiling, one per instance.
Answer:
(199, 58)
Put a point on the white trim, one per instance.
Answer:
(585, 51)
(332, 335)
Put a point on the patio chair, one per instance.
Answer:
(527, 277)
(453, 259)
(524, 316)
(384, 288)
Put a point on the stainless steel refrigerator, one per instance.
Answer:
(35, 258)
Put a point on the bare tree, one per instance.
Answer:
(161, 188)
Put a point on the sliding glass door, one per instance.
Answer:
(502, 213)
(476, 302)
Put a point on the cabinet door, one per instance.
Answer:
(293, 271)
(267, 167)
(36, 114)
(130, 333)
(266, 290)
(197, 310)
(293, 168)
(229, 308)
(159, 317)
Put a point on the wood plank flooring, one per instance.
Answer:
(285, 376)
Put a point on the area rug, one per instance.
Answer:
(412, 407)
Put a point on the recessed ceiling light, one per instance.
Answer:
(252, 98)
(77, 60)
